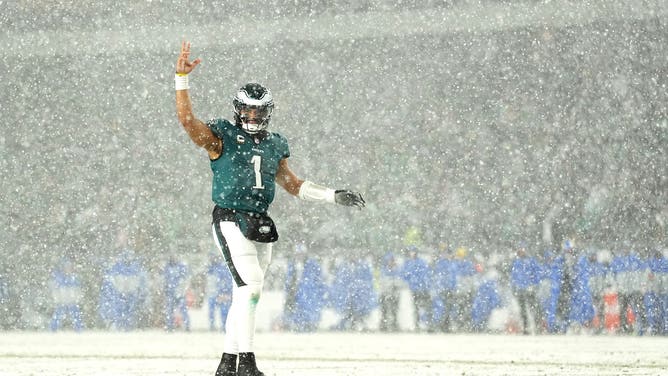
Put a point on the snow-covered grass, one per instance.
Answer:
(326, 353)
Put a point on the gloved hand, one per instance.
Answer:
(349, 198)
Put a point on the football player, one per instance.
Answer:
(247, 161)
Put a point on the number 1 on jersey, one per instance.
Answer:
(257, 162)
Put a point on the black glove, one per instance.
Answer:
(349, 198)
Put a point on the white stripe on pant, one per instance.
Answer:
(250, 260)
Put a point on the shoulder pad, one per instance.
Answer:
(219, 126)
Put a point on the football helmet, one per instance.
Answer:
(253, 106)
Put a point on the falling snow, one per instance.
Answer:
(472, 128)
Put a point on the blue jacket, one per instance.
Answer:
(61, 279)
(176, 274)
(67, 288)
(310, 296)
(444, 275)
(485, 301)
(659, 268)
(582, 301)
(219, 280)
(353, 288)
(126, 278)
(416, 273)
(525, 272)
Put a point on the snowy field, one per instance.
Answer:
(197, 353)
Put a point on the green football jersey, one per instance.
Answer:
(244, 175)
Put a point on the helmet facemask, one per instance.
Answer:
(253, 106)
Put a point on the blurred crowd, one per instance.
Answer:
(444, 288)
(570, 290)
(124, 293)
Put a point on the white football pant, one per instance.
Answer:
(248, 262)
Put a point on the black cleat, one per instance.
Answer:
(247, 366)
(227, 366)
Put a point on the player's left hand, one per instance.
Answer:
(349, 198)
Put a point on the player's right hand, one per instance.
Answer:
(183, 64)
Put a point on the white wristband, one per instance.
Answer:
(181, 81)
(310, 191)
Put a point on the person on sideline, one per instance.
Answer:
(416, 273)
(524, 277)
(218, 291)
(247, 162)
(390, 284)
(67, 293)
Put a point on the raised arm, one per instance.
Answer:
(196, 129)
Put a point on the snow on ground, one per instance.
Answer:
(326, 353)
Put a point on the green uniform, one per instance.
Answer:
(244, 175)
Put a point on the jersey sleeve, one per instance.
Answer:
(283, 148)
(218, 127)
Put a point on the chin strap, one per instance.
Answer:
(310, 191)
